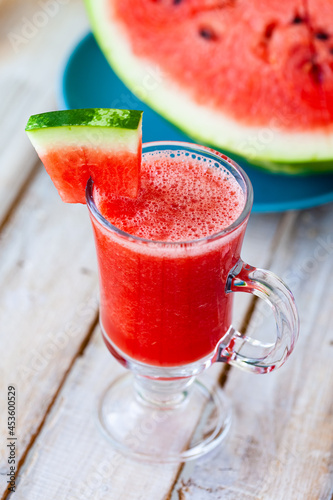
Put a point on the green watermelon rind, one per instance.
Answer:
(300, 168)
(102, 128)
(91, 117)
(288, 152)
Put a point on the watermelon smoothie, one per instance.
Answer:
(164, 257)
(168, 242)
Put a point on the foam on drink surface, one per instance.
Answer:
(182, 197)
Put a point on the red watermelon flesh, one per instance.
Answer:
(71, 167)
(253, 60)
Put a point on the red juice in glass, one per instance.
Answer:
(165, 305)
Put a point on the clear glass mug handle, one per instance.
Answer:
(267, 286)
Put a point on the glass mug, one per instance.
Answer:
(165, 314)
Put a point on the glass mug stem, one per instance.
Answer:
(167, 394)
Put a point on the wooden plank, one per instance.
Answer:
(35, 38)
(48, 303)
(94, 470)
(280, 446)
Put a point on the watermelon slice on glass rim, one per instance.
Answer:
(251, 78)
(104, 144)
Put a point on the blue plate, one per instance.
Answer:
(89, 82)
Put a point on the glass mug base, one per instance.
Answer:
(163, 414)
(185, 428)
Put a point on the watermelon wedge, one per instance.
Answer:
(250, 77)
(74, 145)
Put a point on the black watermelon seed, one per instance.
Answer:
(297, 20)
(316, 73)
(177, 2)
(321, 35)
(269, 30)
(207, 34)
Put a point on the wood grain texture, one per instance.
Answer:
(34, 41)
(35, 37)
(71, 458)
(92, 469)
(281, 444)
(48, 301)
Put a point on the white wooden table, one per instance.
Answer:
(281, 442)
